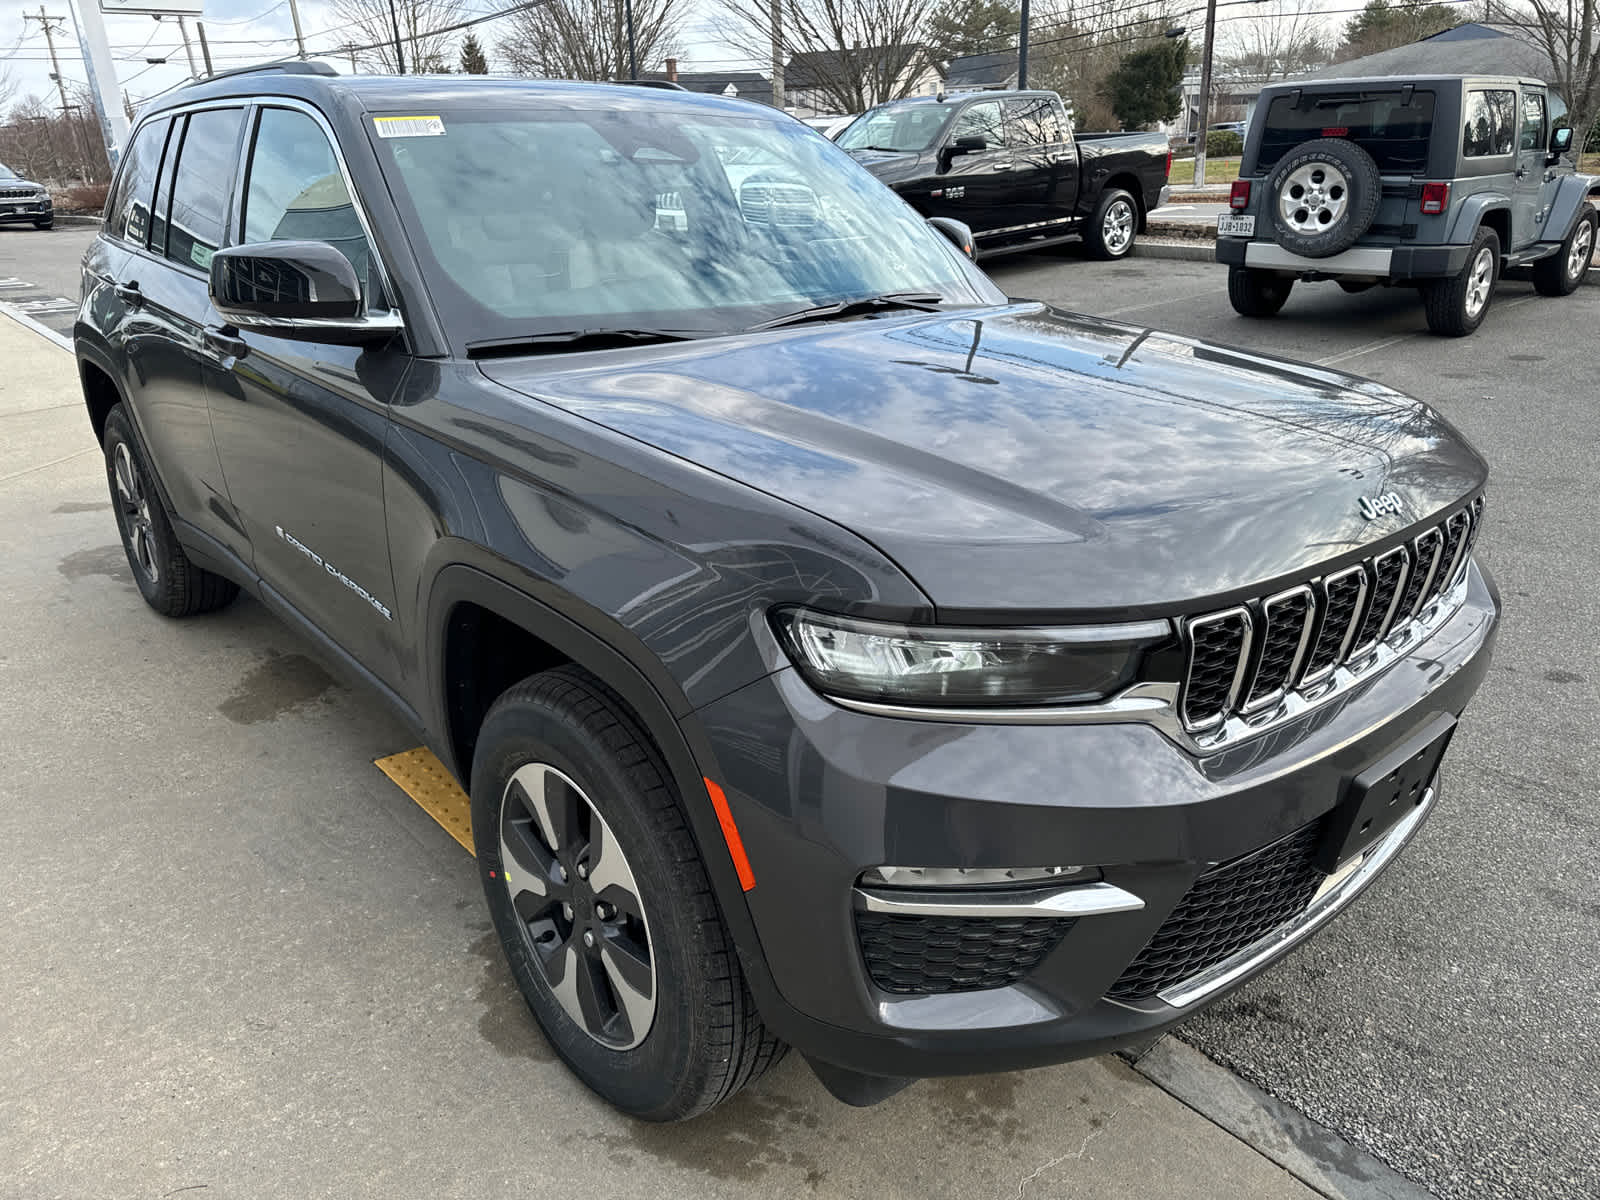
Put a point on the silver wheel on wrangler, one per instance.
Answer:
(578, 905)
(1314, 197)
(1582, 250)
(1480, 282)
(1116, 229)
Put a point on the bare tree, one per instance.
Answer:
(424, 36)
(1567, 32)
(588, 39)
(8, 86)
(1275, 40)
(847, 54)
(1077, 44)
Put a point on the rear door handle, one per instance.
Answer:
(225, 341)
(129, 294)
(1522, 172)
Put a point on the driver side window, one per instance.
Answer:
(985, 120)
(297, 192)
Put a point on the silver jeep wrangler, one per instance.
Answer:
(1439, 183)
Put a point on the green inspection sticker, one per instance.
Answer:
(200, 256)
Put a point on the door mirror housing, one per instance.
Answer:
(302, 290)
(1560, 141)
(958, 232)
(972, 144)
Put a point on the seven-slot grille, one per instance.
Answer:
(1244, 659)
(17, 193)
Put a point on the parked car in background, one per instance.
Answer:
(1439, 183)
(1009, 166)
(830, 126)
(23, 200)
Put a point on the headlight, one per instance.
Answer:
(993, 668)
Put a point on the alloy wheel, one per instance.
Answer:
(134, 500)
(1117, 228)
(1582, 250)
(1480, 282)
(578, 906)
(1314, 197)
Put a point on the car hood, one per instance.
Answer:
(1031, 461)
(889, 166)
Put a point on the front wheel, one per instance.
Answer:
(1563, 271)
(1456, 306)
(1112, 228)
(1257, 293)
(49, 224)
(603, 906)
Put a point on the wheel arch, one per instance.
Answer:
(100, 392)
(1127, 181)
(1491, 209)
(1574, 193)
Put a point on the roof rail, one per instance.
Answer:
(282, 66)
(664, 84)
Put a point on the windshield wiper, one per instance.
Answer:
(566, 340)
(885, 149)
(918, 301)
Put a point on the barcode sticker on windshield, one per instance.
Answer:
(394, 127)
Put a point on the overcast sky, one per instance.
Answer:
(239, 31)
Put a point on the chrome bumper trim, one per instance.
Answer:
(1340, 889)
(1359, 260)
(1081, 900)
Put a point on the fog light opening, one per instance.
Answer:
(974, 877)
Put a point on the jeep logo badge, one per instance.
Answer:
(1387, 503)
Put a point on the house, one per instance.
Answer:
(978, 72)
(844, 81)
(1476, 48)
(745, 85)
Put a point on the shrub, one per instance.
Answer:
(1223, 143)
(91, 198)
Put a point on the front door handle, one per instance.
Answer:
(1005, 166)
(226, 341)
(129, 294)
(1522, 172)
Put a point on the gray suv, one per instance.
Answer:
(1439, 183)
(24, 200)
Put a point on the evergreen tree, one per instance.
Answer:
(473, 59)
(1146, 86)
(959, 27)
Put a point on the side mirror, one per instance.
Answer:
(303, 290)
(972, 144)
(1560, 141)
(958, 232)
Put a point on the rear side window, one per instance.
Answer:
(201, 184)
(1389, 125)
(297, 192)
(1490, 124)
(1033, 122)
(128, 213)
(1533, 135)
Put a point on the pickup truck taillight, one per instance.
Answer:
(1169, 163)
(1435, 198)
(1240, 196)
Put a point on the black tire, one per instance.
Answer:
(705, 1040)
(50, 224)
(1340, 203)
(1257, 293)
(168, 581)
(1563, 271)
(1451, 305)
(1111, 231)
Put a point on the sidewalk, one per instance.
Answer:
(234, 956)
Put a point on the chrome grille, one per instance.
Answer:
(17, 193)
(1243, 660)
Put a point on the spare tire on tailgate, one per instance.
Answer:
(1323, 195)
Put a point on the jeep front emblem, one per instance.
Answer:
(1372, 509)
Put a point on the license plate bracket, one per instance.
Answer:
(1383, 793)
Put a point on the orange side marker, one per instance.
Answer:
(730, 834)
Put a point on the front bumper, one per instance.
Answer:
(27, 210)
(1382, 262)
(820, 793)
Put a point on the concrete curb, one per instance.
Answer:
(44, 331)
(1197, 251)
(1312, 1153)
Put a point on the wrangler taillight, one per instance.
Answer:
(1435, 198)
(1240, 196)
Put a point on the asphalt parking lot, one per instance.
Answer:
(235, 959)
(1450, 1021)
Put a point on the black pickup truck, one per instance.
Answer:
(1008, 165)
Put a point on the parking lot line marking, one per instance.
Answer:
(1366, 348)
(420, 775)
(1117, 312)
(44, 331)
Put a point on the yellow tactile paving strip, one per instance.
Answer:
(423, 777)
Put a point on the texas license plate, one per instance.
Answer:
(1380, 796)
(10, 208)
(1230, 226)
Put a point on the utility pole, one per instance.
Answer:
(188, 50)
(350, 49)
(1205, 96)
(55, 73)
(777, 55)
(1022, 48)
(633, 58)
(399, 54)
(205, 49)
(299, 38)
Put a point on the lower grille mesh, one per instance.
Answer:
(1228, 907)
(927, 955)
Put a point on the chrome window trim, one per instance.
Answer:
(1271, 698)
(1326, 905)
(1342, 653)
(1073, 901)
(1394, 600)
(1239, 612)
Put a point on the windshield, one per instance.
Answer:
(586, 219)
(908, 128)
(7, 173)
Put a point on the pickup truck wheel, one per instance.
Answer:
(1456, 306)
(1563, 271)
(1112, 228)
(1257, 293)
(1322, 196)
(168, 581)
(603, 906)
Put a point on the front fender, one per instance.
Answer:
(1572, 193)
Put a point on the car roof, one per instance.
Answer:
(1392, 82)
(379, 92)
